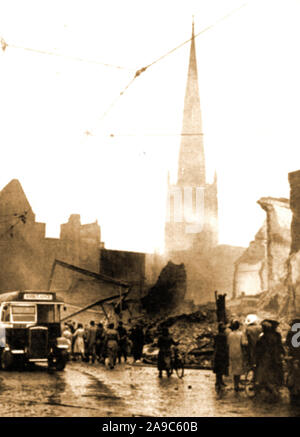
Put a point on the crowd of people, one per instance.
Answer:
(238, 348)
(252, 345)
(96, 343)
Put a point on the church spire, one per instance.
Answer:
(191, 168)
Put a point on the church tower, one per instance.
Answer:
(192, 208)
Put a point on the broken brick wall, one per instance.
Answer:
(250, 275)
(278, 220)
(293, 263)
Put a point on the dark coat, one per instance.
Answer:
(164, 344)
(137, 338)
(269, 351)
(137, 335)
(221, 354)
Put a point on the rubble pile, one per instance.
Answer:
(168, 291)
(194, 332)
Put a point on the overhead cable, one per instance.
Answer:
(143, 69)
(4, 45)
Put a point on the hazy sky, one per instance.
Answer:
(249, 72)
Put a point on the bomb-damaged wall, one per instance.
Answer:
(293, 262)
(26, 256)
(208, 270)
(250, 275)
(278, 220)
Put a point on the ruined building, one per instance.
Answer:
(250, 274)
(191, 229)
(26, 255)
(263, 265)
(293, 262)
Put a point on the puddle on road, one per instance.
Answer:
(192, 396)
(92, 392)
(86, 391)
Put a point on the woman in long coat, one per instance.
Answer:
(79, 341)
(269, 353)
(236, 357)
(221, 356)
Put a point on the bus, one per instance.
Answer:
(30, 330)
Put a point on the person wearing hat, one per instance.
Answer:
(269, 353)
(236, 341)
(253, 331)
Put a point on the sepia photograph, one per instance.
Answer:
(149, 211)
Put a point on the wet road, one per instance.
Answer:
(86, 390)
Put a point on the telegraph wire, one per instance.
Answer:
(4, 46)
(138, 72)
(143, 69)
(153, 135)
(196, 35)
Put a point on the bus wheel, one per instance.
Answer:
(6, 360)
(20, 362)
(58, 362)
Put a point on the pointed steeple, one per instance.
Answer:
(191, 168)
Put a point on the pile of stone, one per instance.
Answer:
(168, 292)
(194, 332)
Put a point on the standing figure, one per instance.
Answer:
(72, 326)
(269, 352)
(68, 335)
(79, 342)
(137, 338)
(111, 344)
(91, 342)
(221, 356)
(253, 331)
(236, 362)
(122, 351)
(85, 338)
(100, 334)
(164, 343)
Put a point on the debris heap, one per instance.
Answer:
(194, 332)
(168, 292)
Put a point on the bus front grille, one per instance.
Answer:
(38, 342)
